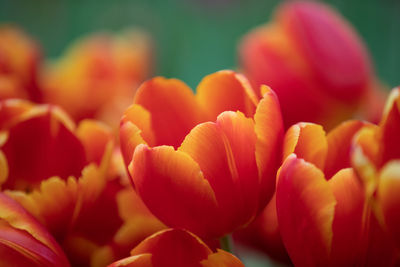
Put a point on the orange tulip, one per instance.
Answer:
(175, 247)
(376, 159)
(209, 178)
(24, 241)
(316, 63)
(97, 77)
(19, 62)
(323, 216)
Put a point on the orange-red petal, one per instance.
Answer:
(222, 259)
(307, 141)
(226, 91)
(173, 108)
(305, 207)
(172, 186)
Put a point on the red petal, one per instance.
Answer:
(305, 207)
(172, 186)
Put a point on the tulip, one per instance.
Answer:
(24, 241)
(315, 62)
(73, 188)
(323, 216)
(98, 75)
(175, 247)
(19, 62)
(210, 178)
(376, 158)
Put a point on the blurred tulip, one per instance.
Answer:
(69, 180)
(315, 62)
(24, 241)
(178, 248)
(323, 216)
(97, 77)
(19, 62)
(376, 158)
(210, 178)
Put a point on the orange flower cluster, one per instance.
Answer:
(187, 169)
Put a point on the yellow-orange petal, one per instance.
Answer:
(94, 136)
(305, 206)
(11, 110)
(141, 260)
(347, 223)
(135, 129)
(307, 141)
(173, 247)
(172, 186)
(173, 108)
(389, 198)
(23, 240)
(226, 90)
(222, 259)
(339, 145)
(269, 130)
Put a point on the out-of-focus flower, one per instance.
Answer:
(97, 77)
(315, 62)
(210, 178)
(376, 159)
(178, 248)
(19, 62)
(72, 186)
(24, 241)
(323, 216)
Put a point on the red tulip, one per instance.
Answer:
(24, 241)
(174, 247)
(376, 159)
(212, 178)
(323, 216)
(316, 63)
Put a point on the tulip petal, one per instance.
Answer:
(225, 152)
(269, 131)
(141, 260)
(317, 31)
(23, 239)
(94, 136)
(307, 141)
(226, 91)
(389, 199)
(172, 186)
(11, 110)
(305, 207)
(223, 259)
(339, 144)
(347, 223)
(42, 146)
(390, 129)
(173, 108)
(173, 247)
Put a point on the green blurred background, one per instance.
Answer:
(196, 37)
